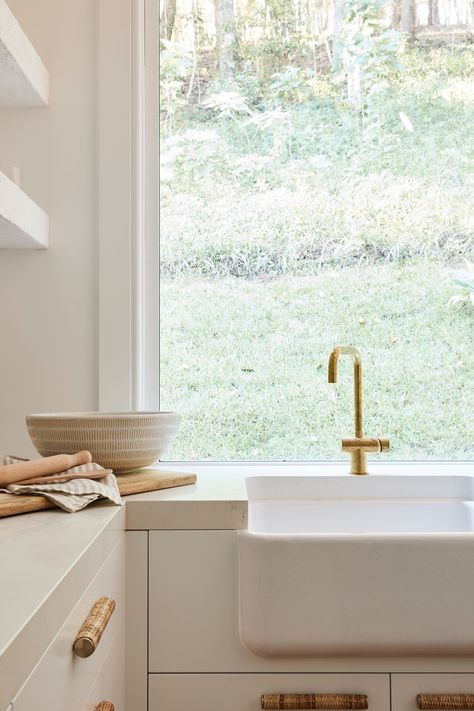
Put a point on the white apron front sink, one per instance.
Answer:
(366, 566)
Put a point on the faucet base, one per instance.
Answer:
(358, 462)
(357, 447)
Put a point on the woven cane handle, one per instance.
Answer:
(91, 631)
(445, 701)
(105, 706)
(314, 701)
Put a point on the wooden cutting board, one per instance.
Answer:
(133, 483)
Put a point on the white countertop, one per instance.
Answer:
(219, 498)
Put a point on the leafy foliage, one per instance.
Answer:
(292, 85)
(370, 52)
(175, 69)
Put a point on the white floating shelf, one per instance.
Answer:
(23, 225)
(24, 80)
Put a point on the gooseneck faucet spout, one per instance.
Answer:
(356, 446)
(332, 378)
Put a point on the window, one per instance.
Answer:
(317, 185)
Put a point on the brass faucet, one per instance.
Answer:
(356, 446)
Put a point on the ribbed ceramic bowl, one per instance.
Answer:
(117, 440)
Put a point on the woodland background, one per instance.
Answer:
(317, 186)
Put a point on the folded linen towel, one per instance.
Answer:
(75, 494)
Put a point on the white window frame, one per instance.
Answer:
(128, 213)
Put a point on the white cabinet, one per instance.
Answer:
(61, 680)
(197, 660)
(243, 692)
(193, 603)
(406, 688)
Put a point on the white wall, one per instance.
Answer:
(49, 299)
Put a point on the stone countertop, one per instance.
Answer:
(219, 498)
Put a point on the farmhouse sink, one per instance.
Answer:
(342, 565)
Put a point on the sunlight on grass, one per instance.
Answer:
(245, 362)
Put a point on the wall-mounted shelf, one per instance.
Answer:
(23, 225)
(24, 80)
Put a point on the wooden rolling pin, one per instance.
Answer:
(13, 473)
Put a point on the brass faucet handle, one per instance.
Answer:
(368, 444)
(384, 444)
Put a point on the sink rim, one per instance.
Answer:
(383, 507)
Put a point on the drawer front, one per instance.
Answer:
(109, 685)
(61, 680)
(407, 687)
(243, 692)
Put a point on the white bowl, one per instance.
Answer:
(116, 440)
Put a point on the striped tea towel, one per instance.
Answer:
(72, 495)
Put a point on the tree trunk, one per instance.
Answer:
(408, 18)
(396, 14)
(433, 13)
(168, 17)
(225, 38)
(470, 18)
(338, 25)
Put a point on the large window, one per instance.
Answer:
(317, 186)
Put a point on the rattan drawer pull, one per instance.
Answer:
(105, 706)
(314, 701)
(445, 701)
(91, 631)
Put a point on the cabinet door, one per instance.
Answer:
(243, 692)
(407, 688)
(193, 603)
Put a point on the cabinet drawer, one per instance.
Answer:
(109, 684)
(61, 680)
(407, 687)
(243, 692)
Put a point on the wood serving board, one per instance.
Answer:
(132, 483)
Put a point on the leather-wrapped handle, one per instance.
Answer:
(314, 701)
(93, 628)
(445, 702)
(105, 706)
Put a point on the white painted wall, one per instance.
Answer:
(49, 299)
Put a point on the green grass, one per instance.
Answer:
(245, 362)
